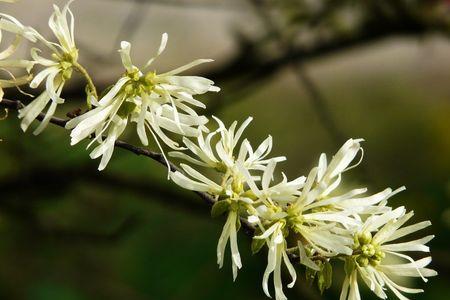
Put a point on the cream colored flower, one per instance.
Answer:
(12, 25)
(325, 220)
(57, 70)
(226, 153)
(275, 257)
(234, 163)
(157, 103)
(374, 243)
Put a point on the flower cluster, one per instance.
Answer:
(156, 102)
(11, 25)
(57, 69)
(310, 219)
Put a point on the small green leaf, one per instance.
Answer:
(219, 208)
(325, 277)
(321, 282)
(257, 245)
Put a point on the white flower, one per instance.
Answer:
(235, 181)
(281, 193)
(326, 178)
(57, 70)
(321, 229)
(374, 244)
(229, 233)
(156, 102)
(196, 181)
(324, 221)
(234, 166)
(275, 200)
(233, 192)
(106, 147)
(224, 155)
(276, 256)
(154, 90)
(10, 24)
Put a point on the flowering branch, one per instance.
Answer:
(158, 157)
(306, 219)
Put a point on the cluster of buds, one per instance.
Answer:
(310, 219)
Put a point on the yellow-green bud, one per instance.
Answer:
(380, 254)
(55, 56)
(65, 65)
(234, 206)
(149, 78)
(365, 238)
(375, 262)
(237, 186)
(221, 167)
(362, 261)
(129, 89)
(368, 250)
(67, 74)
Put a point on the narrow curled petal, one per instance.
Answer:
(162, 46)
(125, 49)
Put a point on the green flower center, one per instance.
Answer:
(237, 186)
(366, 252)
(139, 84)
(294, 219)
(66, 62)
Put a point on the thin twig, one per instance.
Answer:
(158, 157)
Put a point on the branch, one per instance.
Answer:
(158, 157)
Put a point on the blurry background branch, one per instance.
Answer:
(330, 28)
(285, 43)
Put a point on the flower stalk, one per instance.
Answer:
(92, 88)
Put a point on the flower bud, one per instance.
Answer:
(365, 238)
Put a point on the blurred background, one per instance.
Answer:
(312, 73)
